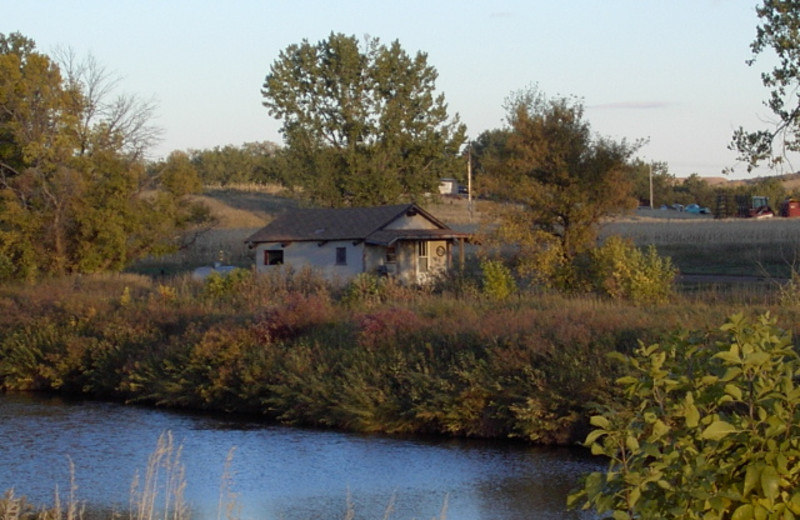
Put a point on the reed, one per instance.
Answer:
(161, 494)
(228, 506)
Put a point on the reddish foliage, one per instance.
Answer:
(387, 327)
(297, 313)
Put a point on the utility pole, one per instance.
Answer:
(651, 185)
(469, 180)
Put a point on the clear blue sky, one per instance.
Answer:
(672, 71)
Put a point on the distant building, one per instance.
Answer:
(448, 187)
(401, 241)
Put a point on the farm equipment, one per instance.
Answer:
(744, 206)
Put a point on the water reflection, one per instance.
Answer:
(279, 472)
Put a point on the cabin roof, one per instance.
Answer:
(349, 224)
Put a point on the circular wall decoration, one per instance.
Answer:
(440, 251)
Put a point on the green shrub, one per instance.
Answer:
(226, 285)
(620, 270)
(364, 288)
(708, 430)
(498, 282)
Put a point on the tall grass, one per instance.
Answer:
(161, 495)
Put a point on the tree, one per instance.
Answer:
(780, 24)
(694, 189)
(179, 176)
(639, 175)
(252, 162)
(706, 428)
(106, 119)
(559, 181)
(362, 125)
(72, 178)
(488, 149)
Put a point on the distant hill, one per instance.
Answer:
(790, 181)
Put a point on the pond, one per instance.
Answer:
(275, 472)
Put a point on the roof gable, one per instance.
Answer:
(336, 223)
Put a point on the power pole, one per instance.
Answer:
(469, 180)
(651, 185)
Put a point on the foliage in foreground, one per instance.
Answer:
(708, 428)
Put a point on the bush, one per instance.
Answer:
(498, 283)
(296, 314)
(710, 429)
(622, 271)
(226, 285)
(365, 287)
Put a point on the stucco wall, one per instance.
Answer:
(321, 258)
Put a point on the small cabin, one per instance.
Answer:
(400, 241)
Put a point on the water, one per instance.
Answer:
(278, 472)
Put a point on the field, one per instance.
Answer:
(697, 244)
(701, 245)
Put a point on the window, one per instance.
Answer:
(422, 257)
(391, 255)
(273, 257)
(341, 256)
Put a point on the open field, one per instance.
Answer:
(699, 244)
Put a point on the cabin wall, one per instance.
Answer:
(320, 257)
(409, 266)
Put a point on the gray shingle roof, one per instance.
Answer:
(339, 224)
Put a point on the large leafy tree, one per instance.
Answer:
(558, 180)
(362, 124)
(777, 32)
(72, 178)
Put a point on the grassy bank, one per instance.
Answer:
(294, 350)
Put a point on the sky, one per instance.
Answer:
(673, 72)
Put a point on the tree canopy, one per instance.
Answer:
(258, 162)
(362, 123)
(74, 193)
(559, 180)
(777, 32)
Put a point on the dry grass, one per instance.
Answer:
(245, 206)
(676, 231)
(768, 248)
(455, 211)
(161, 495)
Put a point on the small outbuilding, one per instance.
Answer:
(448, 186)
(790, 208)
(402, 241)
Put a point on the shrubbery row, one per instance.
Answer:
(371, 358)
